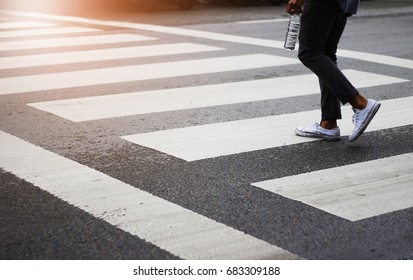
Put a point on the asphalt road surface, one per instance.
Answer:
(170, 135)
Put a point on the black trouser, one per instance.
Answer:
(322, 25)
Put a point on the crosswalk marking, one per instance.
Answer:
(109, 106)
(171, 227)
(24, 24)
(262, 21)
(46, 31)
(382, 59)
(102, 55)
(94, 40)
(158, 28)
(377, 58)
(168, 226)
(139, 72)
(219, 139)
(354, 192)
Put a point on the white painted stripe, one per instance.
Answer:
(24, 24)
(46, 31)
(117, 105)
(138, 72)
(158, 28)
(263, 21)
(171, 227)
(388, 60)
(220, 139)
(101, 55)
(377, 58)
(72, 41)
(354, 192)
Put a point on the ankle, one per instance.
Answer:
(328, 124)
(358, 101)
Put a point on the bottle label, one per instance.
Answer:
(292, 32)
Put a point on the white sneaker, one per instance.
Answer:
(362, 118)
(316, 131)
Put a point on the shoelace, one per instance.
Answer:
(355, 116)
(314, 127)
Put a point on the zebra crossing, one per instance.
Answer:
(49, 31)
(80, 78)
(23, 24)
(355, 191)
(107, 106)
(92, 40)
(214, 140)
(101, 55)
(169, 226)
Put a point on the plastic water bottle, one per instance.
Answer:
(292, 32)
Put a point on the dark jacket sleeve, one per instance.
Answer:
(349, 6)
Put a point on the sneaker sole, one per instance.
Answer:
(366, 123)
(317, 136)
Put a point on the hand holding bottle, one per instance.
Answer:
(294, 7)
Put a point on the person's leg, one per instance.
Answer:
(330, 104)
(316, 26)
(330, 108)
(321, 27)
